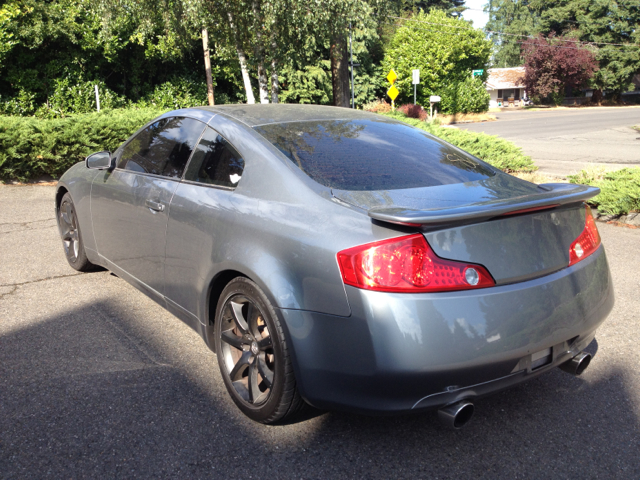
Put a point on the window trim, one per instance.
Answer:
(210, 185)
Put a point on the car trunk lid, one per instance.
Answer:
(516, 229)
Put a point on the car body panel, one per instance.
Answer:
(78, 182)
(128, 232)
(517, 248)
(399, 348)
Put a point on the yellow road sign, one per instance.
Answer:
(393, 92)
(392, 77)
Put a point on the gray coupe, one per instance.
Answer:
(342, 259)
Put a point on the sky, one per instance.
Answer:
(476, 14)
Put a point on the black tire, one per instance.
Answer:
(71, 237)
(253, 356)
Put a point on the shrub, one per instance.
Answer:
(414, 111)
(31, 147)
(71, 96)
(377, 106)
(500, 153)
(24, 103)
(179, 92)
(467, 96)
(620, 190)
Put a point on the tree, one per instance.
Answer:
(551, 66)
(445, 49)
(515, 20)
(328, 21)
(600, 22)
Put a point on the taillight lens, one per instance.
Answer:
(588, 241)
(407, 264)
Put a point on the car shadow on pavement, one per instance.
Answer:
(92, 393)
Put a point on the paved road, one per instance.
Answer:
(97, 381)
(562, 142)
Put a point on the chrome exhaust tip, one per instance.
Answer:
(456, 415)
(577, 364)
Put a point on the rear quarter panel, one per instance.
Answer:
(273, 228)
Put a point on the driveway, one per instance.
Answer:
(562, 142)
(97, 381)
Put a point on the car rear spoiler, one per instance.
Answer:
(551, 195)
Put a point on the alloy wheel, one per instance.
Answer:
(247, 350)
(69, 230)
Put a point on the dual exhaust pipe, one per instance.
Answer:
(458, 414)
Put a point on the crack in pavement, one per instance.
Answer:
(11, 227)
(27, 229)
(27, 223)
(12, 291)
(16, 285)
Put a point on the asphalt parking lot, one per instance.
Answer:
(96, 380)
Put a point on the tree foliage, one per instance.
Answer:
(600, 22)
(149, 52)
(445, 49)
(612, 27)
(549, 69)
(515, 20)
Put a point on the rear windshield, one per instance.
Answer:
(371, 155)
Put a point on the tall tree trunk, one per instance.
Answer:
(263, 83)
(275, 85)
(245, 75)
(207, 65)
(243, 61)
(258, 50)
(340, 70)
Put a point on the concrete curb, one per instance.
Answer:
(631, 220)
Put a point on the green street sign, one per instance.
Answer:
(478, 73)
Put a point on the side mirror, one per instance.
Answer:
(99, 161)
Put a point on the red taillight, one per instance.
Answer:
(588, 241)
(407, 264)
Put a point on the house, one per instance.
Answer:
(505, 86)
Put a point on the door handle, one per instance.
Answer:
(157, 206)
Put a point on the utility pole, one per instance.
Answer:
(351, 65)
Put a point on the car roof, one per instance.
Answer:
(264, 114)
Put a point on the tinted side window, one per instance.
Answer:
(163, 148)
(215, 161)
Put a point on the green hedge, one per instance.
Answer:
(620, 190)
(468, 96)
(31, 147)
(500, 153)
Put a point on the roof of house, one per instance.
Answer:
(500, 78)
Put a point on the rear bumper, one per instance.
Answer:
(400, 352)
